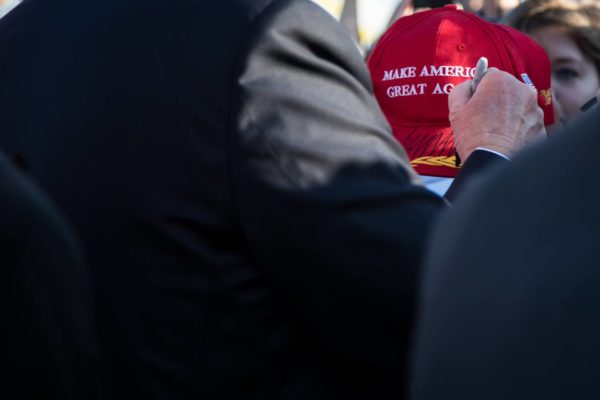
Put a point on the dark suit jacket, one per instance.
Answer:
(47, 339)
(253, 228)
(510, 302)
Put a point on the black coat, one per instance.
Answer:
(510, 302)
(253, 228)
(47, 337)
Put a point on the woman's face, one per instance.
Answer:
(575, 79)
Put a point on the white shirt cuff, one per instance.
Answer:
(492, 151)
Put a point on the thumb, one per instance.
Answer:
(460, 95)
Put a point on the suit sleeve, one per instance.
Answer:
(327, 201)
(481, 160)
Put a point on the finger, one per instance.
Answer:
(541, 136)
(495, 79)
(460, 95)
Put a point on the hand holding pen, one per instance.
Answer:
(502, 116)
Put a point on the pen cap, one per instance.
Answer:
(421, 57)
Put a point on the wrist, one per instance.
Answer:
(493, 142)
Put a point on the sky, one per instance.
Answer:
(373, 15)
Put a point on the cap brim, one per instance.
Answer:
(430, 149)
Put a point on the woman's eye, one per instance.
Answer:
(565, 74)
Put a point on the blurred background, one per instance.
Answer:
(7, 5)
(368, 19)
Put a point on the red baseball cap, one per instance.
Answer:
(421, 57)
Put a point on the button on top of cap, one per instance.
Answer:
(451, 6)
